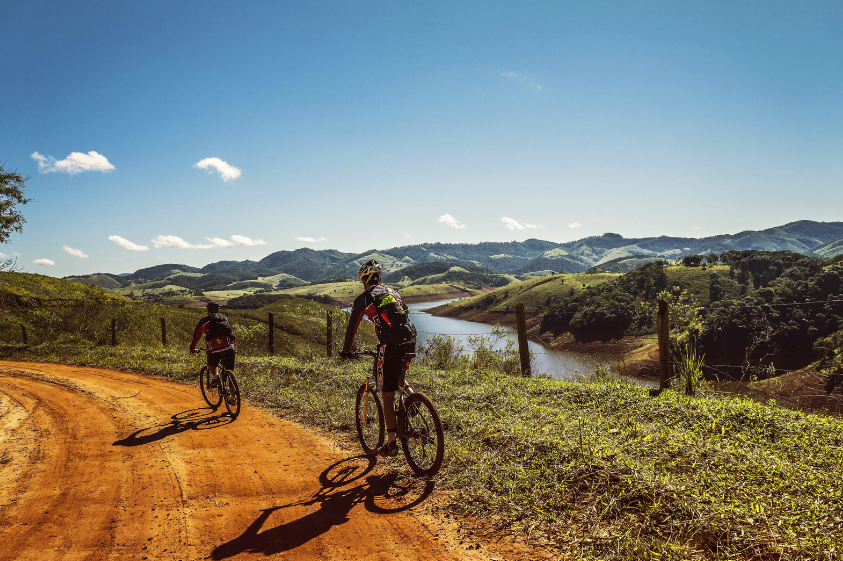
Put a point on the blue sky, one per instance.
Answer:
(206, 131)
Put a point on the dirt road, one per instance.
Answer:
(99, 464)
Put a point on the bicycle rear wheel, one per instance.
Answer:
(368, 414)
(232, 394)
(423, 440)
(212, 395)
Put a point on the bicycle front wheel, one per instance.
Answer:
(232, 394)
(212, 395)
(423, 440)
(368, 414)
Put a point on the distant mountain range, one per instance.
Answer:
(290, 268)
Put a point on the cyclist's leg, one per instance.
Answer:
(227, 359)
(392, 369)
(213, 364)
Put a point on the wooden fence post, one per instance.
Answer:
(523, 351)
(271, 334)
(663, 329)
(113, 332)
(23, 332)
(330, 333)
(163, 332)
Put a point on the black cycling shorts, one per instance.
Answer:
(393, 364)
(224, 357)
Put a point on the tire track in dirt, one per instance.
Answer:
(96, 470)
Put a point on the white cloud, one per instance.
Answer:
(574, 225)
(178, 243)
(76, 162)
(76, 252)
(227, 172)
(16, 254)
(44, 262)
(518, 77)
(126, 244)
(451, 221)
(243, 240)
(310, 240)
(3, 255)
(172, 241)
(513, 224)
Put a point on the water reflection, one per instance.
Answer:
(558, 364)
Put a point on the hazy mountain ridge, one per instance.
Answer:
(515, 258)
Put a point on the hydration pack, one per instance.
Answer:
(219, 326)
(393, 315)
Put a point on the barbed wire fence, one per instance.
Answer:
(110, 321)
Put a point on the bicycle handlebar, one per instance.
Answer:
(368, 352)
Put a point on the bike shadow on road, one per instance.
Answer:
(192, 419)
(345, 484)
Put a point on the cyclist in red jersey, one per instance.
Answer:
(219, 341)
(396, 339)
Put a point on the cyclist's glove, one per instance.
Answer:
(346, 354)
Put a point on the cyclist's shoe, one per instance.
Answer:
(389, 450)
(215, 382)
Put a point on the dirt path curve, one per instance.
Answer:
(100, 464)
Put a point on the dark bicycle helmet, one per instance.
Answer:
(369, 270)
(213, 307)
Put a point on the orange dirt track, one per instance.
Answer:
(100, 464)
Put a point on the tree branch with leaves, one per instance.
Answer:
(12, 187)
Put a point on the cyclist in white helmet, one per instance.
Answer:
(396, 337)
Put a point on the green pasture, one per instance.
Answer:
(697, 280)
(536, 294)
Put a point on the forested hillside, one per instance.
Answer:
(751, 308)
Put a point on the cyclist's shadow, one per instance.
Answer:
(335, 504)
(192, 419)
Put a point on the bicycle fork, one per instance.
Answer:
(364, 411)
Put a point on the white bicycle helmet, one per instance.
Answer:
(369, 269)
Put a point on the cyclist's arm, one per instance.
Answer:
(354, 321)
(198, 332)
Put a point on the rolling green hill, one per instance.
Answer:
(831, 249)
(57, 310)
(536, 294)
(530, 258)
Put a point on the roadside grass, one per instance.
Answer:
(537, 294)
(598, 467)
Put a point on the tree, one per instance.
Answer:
(692, 260)
(12, 186)
(712, 258)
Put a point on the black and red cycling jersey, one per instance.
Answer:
(365, 305)
(217, 342)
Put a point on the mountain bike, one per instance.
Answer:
(228, 390)
(418, 425)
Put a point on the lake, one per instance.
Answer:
(557, 364)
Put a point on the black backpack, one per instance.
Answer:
(219, 326)
(395, 325)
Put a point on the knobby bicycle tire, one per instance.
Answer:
(232, 394)
(422, 438)
(211, 395)
(368, 415)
